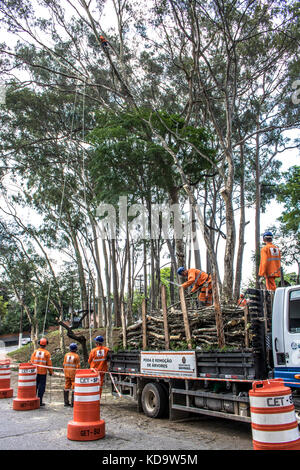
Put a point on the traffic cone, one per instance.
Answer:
(86, 424)
(5, 390)
(273, 419)
(26, 397)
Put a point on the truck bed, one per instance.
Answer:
(219, 365)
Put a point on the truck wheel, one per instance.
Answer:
(154, 400)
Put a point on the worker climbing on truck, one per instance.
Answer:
(200, 280)
(270, 261)
(98, 359)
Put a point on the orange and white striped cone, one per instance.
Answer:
(5, 390)
(86, 424)
(273, 419)
(26, 397)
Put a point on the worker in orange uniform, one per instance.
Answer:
(42, 359)
(270, 261)
(103, 41)
(98, 359)
(200, 280)
(242, 302)
(71, 364)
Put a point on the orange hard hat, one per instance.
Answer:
(43, 342)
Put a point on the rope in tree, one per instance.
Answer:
(62, 199)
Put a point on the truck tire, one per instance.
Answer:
(154, 400)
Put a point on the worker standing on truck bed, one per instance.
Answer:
(71, 364)
(98, 359)
(42, 357)
(201, 280)
(242, 302)
(270, 262)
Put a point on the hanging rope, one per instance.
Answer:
(83, 149)
(68, 158)
(48, 297)
(85, 198)
(62, 197)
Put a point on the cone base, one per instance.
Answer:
(20, 404)
(7, 393)
(294, 445)
(91, 431)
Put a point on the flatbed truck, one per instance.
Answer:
(217, 382)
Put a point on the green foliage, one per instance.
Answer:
(3, 307)
(128, 160)
(11, 321)
(181, 345)
(165, 274)
(290, 278)
(288, 193)
(137, 301)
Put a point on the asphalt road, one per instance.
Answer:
(126, 430)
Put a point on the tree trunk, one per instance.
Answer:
(107, 280)
(129, 286)
(241, 242)
(117, 311)
(227, 291)
(197, 255)
(101, 304)
(82, 283)
(257, 206)
(145, 271)
(179, 244)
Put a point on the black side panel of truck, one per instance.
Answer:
(260, 319)
(235, 365)
(125, 361)
(232, 365)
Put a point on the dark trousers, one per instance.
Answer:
(40, 385)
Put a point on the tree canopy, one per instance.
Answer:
(190, 103)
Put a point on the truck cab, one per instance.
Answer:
(286, 335)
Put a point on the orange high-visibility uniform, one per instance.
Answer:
(103, 41)
(270, 264)
(42, 357)
(200, 278)
(242, 302)
(71, 364)
(98, 361)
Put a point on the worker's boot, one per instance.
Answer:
(66, 398)
(72, 399)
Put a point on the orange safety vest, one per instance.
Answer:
(98, 358)
(242, 302)
(196, 277)
(70, 364)
(270, 261)
(42, 357)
